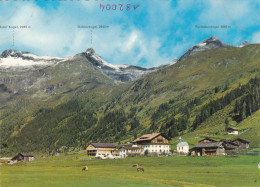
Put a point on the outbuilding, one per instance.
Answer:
(232, 131)
(208, 149)
(23, 157)
(242, 144)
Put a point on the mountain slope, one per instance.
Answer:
(167, 100)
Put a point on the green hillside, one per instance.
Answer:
(192, 98)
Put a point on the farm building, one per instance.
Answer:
(134, 150)
(100, 149)
(232, 131)
(208, 149)
(229, 146)
(242, 144)
(154, 143)
(23, 157)
(182, 147)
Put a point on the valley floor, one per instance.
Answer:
(158, 171)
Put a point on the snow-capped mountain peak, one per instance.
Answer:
(95, 59)
(214, 42)
(90, 51)
(212, 38)
(207, 44)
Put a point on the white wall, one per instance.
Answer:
(183, 149)
(123, 153)
(233, 132)
(156, 148)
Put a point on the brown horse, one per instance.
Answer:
(85, 168)
(140, 169)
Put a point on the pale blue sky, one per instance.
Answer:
(157, 32)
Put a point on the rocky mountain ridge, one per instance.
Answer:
(121, 73)
(211, 43)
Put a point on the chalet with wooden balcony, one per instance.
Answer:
(100, 149)
(154, 143)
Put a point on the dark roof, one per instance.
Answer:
(103, 145)
(124, 145)
(241, 140)
(21, 154)
(232, 129)
(210, 139)
(147, 137)
(229, 142)
(230, 145)
(26, 155)
(208, 144)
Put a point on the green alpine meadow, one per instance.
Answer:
(158, 171)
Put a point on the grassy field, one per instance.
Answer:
(159, 171)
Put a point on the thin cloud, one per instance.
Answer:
(256, 37)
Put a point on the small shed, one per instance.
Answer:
(23, 157)
(182, 147)
(232, 131)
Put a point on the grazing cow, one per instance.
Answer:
(135, 165)
(85, 168)
(140, 169)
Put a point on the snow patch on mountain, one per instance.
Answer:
(48, 58)
(16, 62)
(244, 43)
(18, 59)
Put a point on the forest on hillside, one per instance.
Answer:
(74, 124)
